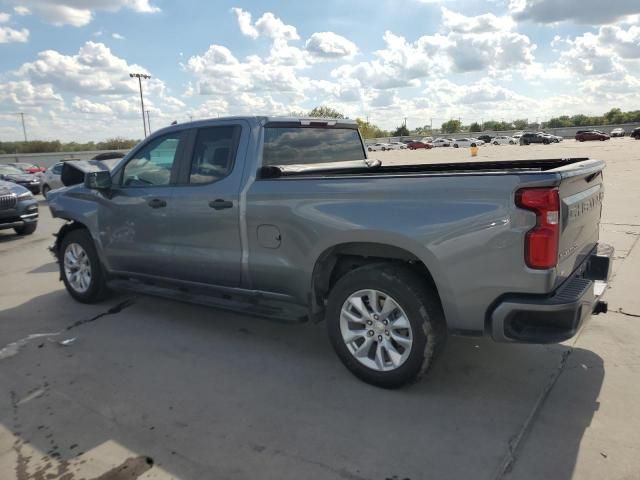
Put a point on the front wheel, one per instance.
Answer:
(80, 267)
(385, 323)
(455, 145)
(370, 149)
(45, 190)
(26, 229)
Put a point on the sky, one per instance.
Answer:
(65, 64)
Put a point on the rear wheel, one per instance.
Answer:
(45, 190)
(80, 267)
(26, 229)
(370, 149)
(473, 145)
(455, 145)
(385, 323)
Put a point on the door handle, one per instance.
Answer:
(157, 203)
(220, 204)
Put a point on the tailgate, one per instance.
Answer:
(581, 192)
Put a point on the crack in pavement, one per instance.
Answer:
(13, 348)
(516, 441)
(619, 310)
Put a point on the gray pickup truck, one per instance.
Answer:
(287, 217)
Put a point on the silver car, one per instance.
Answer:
(51, 178)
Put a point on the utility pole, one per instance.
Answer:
(149, 122)
(24, 129)
(140, 76)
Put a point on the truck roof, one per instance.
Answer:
(262, 120)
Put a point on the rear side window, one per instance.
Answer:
(213, 154)
(309, 145)
(57, 169)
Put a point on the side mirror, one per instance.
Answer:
(98, 180)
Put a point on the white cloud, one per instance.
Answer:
(590, 12)
(21, 10)
(93, 70)
(330, 45)
(10, 35)
(86, 106)
(268, 25)
(117, 36)
(24, 95)
(488, 22)
(4, 17)
(244, 22)
(78, 13)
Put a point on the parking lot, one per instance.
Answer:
(140, 387)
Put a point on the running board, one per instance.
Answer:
(271, 309)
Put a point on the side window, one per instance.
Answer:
(57, 169)
(152, 165)
(213, 154)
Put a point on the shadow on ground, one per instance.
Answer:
(212, 394)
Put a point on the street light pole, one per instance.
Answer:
(149, 122)
(140, 76)
(24, 130)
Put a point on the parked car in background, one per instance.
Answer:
(51, 178)
(529, 137)
(18, 208)
(517, 135)
(10, 173)
(397, 146)
(589, 135)
(635, 133)
(388, 287)
(504, 140)
(426, 139)
(477, 141)
(617, 132)
(552, 138)
(465, 142)
(441, 142)
(378, 146)
(485, 138)
(419, 145)
(28, 167)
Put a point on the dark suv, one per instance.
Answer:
(635, 133)
(18, 208)
(528, 138)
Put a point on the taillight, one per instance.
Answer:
(541, 242)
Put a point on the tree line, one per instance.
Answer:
(41, 146)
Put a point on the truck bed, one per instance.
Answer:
(356, 168)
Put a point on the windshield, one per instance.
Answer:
(8, 170)
(297, 145)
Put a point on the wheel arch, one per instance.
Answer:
(339, 259)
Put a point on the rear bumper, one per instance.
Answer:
(558, 316)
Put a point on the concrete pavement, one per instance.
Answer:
(158, 389)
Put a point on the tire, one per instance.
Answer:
(496, 143)
(370, 149)
(97, 289)
(511, 142)
(473, 145)
(45, 190)
(383, 149)
(26, 229)
(421, 307)
(546, 142)
(455, 145)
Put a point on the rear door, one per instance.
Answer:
(205, 207)
(581, 193)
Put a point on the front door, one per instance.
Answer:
(205, 207)
(134, 224)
